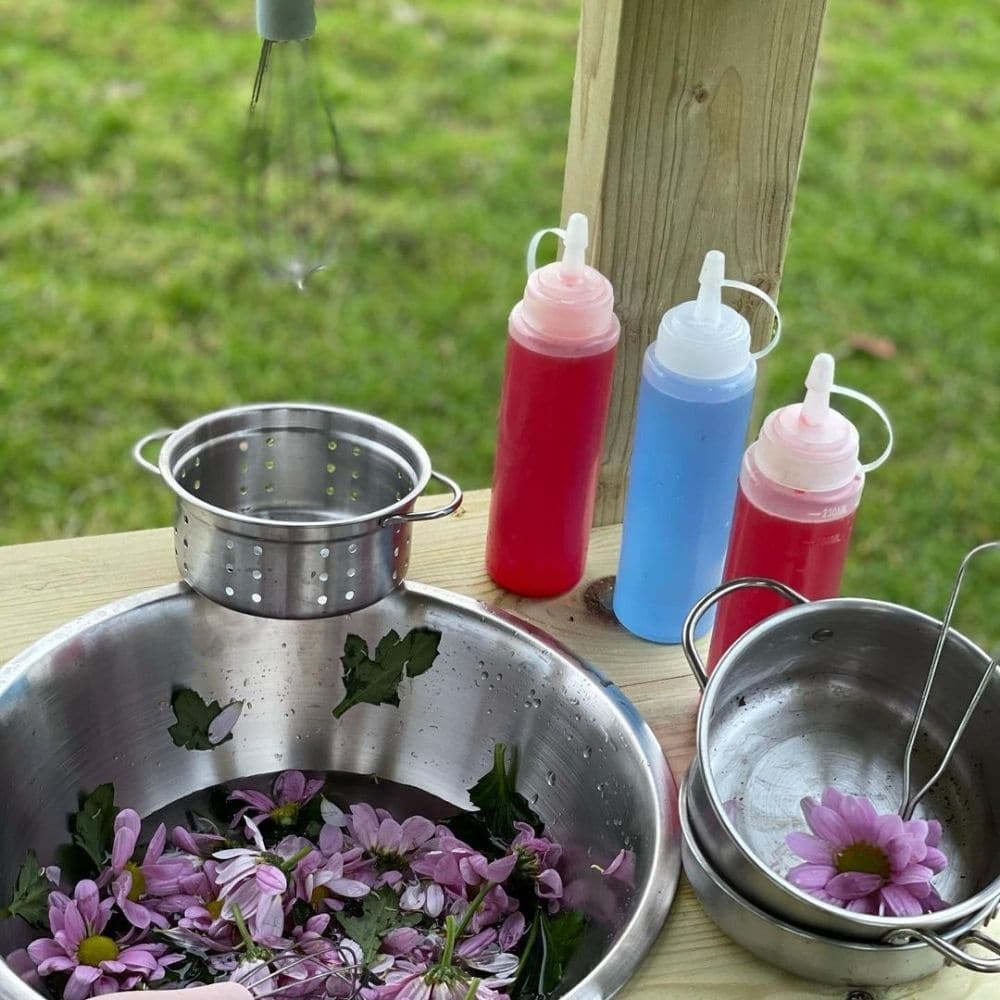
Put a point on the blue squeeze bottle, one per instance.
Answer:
(693, 415)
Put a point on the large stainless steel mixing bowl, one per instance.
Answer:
(825, 694)
(91, 703)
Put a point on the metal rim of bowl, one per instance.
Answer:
(983, 899)
(631, 944)
(180, 438)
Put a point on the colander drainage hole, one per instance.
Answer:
(395, 551)
(355, 451)
(270, 442)
(269, 464)
(187, 520)
(352, 571)
(255, 598)
(230, 591)
(355, 474)
(244, 445)
(332, 445)
(324, 553)
(256, 574)
(230, 568)
(323, 577)
(331, 468)
(230, 544)
(329, 491)
(258, 551)
(352, 548)
(322, 599)
(349, 596)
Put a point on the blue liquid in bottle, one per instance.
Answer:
(690, 437)
(691, 427)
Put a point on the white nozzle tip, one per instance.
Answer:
(708, 306)
(819, 383)
(821, 371)
(576, 241)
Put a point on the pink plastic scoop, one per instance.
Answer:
(219, 991)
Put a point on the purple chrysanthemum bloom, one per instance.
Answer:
(321, 881)
(150, 891)
(866, 862)
(203, 925)
(495, 907)
(537, 858)
(291, 791)
(95, 962)
(393, 846)
(248, 880)
(457, 867)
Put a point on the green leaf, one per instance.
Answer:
(375, 680)
(552, 942)
(201, 725)
(499, 802)
(379, 915)
(93, 827)
(31, 894)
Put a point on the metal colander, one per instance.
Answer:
(290, 510)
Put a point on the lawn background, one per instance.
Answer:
(127, 301)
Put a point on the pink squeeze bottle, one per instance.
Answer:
(799, 490)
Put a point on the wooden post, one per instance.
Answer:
(686, 132)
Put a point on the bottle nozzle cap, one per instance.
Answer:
(708, 305)
(819, 385)
(575, 242)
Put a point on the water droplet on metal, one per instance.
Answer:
(586, 756)
(550, 778)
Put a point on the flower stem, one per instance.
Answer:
(241, 926)
(289, 865)
(473, 989)
(455, 929)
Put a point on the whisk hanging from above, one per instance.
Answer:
(293, 163)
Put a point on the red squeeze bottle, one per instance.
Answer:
(799, 490)
(553, 408)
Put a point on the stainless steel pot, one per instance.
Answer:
(814, 956)
(291, 510)
(91, 703)
(822, 694)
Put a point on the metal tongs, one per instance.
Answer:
(910, 802)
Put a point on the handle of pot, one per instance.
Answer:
(140, 446)
(431, 515)
(696, 613)
(954, 952)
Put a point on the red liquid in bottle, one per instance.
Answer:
(808, 556)
(552, 414)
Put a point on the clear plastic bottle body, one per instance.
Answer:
(690, 434)
(553, 408)
(798, 537)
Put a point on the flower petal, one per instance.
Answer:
(78, 987)
(830, 826)
(74, 927)
(156, 846)
(807, 847)
(852, 885)
(270, 881)
(289, 787)
(863, 904)
(860, 816)
(811, 876)
(900, 903)
(888, 827)
(913, 874)
(936, 860)
(87, 899)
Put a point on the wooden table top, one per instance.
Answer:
(45, 584)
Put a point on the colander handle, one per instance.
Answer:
(695, 615)
(954, 951)
(140, 446)
(431, 515)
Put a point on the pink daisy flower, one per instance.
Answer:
(291, 791)
(147, 891)
(866, 862)
(95, 962)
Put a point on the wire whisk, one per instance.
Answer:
(313, 968)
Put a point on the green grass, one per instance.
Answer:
(127, 300)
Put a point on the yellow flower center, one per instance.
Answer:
(214, 907)
(96, 949)
(863, 857)
(138, 889)
(285, 815)
(318, 894)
